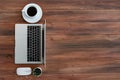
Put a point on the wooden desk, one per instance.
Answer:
(83, 39)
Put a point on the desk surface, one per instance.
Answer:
(83, 39)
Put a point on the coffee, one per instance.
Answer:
(37, 71)
(31, 11)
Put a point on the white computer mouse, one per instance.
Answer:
(23, 71)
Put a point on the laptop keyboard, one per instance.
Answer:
(33, 43)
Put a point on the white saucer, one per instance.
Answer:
(35, 18)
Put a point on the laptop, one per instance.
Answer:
(30, 43)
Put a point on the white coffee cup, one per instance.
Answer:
(32, 13)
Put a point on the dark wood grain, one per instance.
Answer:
(83, 39)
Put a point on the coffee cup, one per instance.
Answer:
(37, 71)
(32, 13)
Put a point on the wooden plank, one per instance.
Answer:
(70, 28)
(67, 16)
(63, 4)
(88, 41)
(96, 76)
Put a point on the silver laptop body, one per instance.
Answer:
(30, 43)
